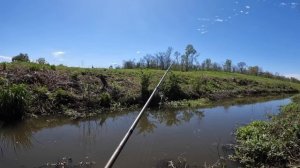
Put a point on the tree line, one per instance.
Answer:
(188, 61)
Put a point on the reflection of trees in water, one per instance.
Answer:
(170, 118)
(145, 124)
(17, 137)
(89, 132)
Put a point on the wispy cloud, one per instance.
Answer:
(204, 19)
(247, 7)
(289, 4)
(283, 4)
(5, 58)
(204, 32)
(59, 54)
(138, 52)
(294, 4)
(219, 20)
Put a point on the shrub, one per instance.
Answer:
(63, 97)
(296, 98)
(35, 67)
(41, 61)
(21, 58)
(53, 67)
(41, 100)
(41, 93)
(4, 66)
(171, 88)
(105, 100)
(74, 76)
(3, 81)
(145, 82)
(270, 144)
(13, 102)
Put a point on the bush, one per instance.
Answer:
(63, 97)
(13, 102)
(171, 88)
(145, 82)
(35, 67)
(41, 61)
(21, 58)
(296, 98)
(41, 93)
(3, 81)
(270, 144)
(53, 67)
(4, 66)
(41, 102)
(105, 100)
(74, 76)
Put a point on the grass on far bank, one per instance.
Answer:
(72, 90)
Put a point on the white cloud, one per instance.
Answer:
(204, 19)
(283, 4)
(58, 54)
(5, 58)
(138, 52)
(294, 5)
(219, 20)
(293, 75)
(247, 7)
(203, 32)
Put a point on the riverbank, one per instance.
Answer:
(273, 143)
(70, 91)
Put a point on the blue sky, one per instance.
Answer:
(106, 32)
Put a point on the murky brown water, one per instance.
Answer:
(194, 135)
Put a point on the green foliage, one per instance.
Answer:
(296, 98)
(172, 89)
(53, 67)
(4, 66)
(63, 97)
(145, 83)
(3, 82)
(270, 144)
(40, 102)
(105, 99)
(21, 58)
(13, 102)
(41, 61)
(42, 93)
(35, 67)
(74, 76)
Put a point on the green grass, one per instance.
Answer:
(81, 88)
(13, 102)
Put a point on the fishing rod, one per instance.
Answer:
(118, 150)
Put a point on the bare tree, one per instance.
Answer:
(189, 57)
(242, 66)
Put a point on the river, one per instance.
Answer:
(196, 136)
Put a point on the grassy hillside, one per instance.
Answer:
(67, 90)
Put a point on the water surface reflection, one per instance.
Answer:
(195, 135)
